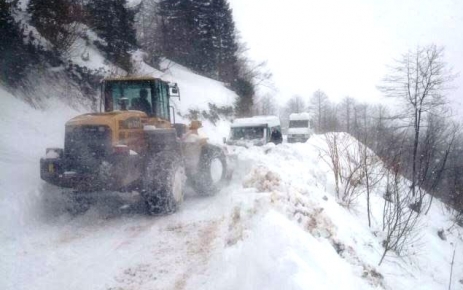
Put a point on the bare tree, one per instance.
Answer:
(331, 119)
(266, 105)
(352, 173)
(372, 172)
(331, 156)
(449, 179)
(317, 106)
(346, 108)
(419, 80)
(399, 220)
(345, 158)
(295, 105)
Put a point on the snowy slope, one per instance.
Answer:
(277, 225)
(196, 91)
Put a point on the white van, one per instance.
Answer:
(255, 131)
(300, 127)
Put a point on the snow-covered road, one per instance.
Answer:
(114, 248)
(228, 241)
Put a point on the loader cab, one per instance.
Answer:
(149, 95)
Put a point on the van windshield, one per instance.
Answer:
(247, 133)
(299, 124)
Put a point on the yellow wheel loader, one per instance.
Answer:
(132, 145)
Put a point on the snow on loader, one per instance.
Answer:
(132, 145)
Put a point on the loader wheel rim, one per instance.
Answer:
(216, 170)
(177, 186)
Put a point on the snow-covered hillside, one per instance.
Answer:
(277, 225)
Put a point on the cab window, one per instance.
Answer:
(136, 95)
(162, 100)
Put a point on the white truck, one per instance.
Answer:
(300, 127)
(255, 131)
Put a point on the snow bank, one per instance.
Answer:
(277, 254)
(26, 133)
(296, 181)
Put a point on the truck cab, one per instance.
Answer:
(300, 127)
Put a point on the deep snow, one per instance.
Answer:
(277, 225)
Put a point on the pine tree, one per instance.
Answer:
(115, 25)
(16, 57)
(54, 21)
(245, 101)
(201, 35)
(179, 36)
(225, 42)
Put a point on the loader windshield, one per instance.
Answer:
(148, 96)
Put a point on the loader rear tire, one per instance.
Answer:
(163, 185)
(212, 171)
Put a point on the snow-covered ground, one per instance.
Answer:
(276, 225)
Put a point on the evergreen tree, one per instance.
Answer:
(245, 91)
(115, 25)
(53, 19)
(16, 57)
(178, 31)
(201, 35)
(225, 43)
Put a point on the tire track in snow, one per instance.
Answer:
(181, 251)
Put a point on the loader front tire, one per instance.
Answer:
(163, 185)
(212, 171)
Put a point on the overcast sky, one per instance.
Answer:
(343, 47)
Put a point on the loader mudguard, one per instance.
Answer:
(164, 146)
(163, 140)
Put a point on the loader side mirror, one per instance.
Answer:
(174, 92)
(224, 140)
